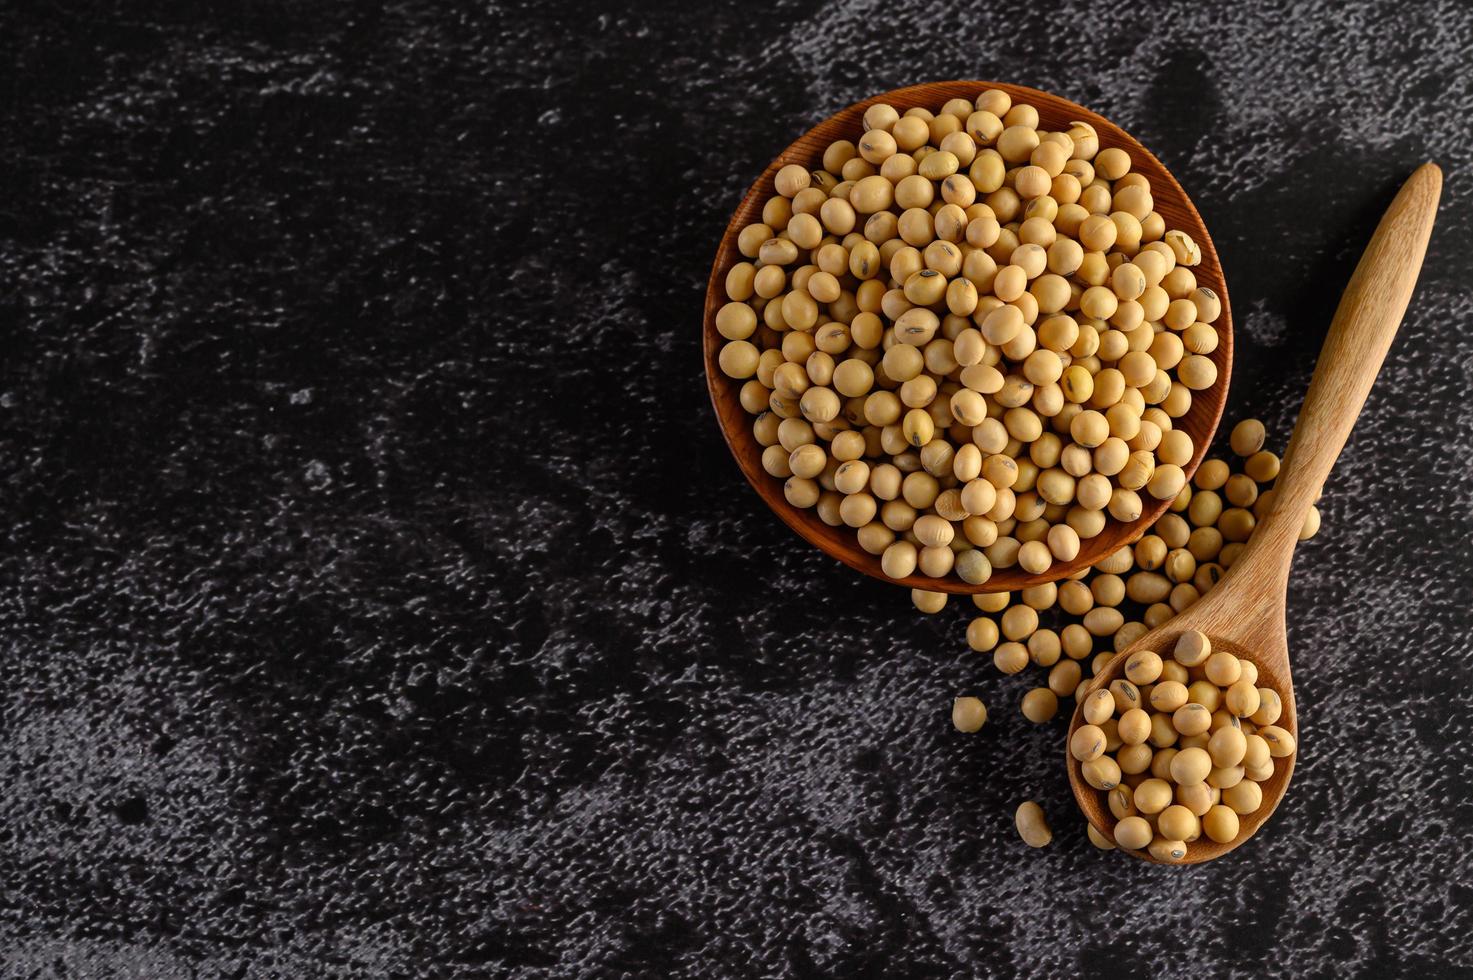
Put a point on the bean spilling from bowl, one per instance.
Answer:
(1108, 607)
(967, 338)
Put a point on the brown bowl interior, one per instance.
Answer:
(1092, 802)
(1054, 114)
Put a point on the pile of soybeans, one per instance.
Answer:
(968, 338)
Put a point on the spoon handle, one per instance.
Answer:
(1365, 323)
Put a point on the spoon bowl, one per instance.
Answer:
(1244, 612)
(1273, 672)
(1054, 113)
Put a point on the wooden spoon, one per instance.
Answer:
(1244, 613)
(1055, 114)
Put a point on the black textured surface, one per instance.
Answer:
(377, 597)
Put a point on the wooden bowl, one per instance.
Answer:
(1054, 113)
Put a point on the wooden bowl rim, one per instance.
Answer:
(806, 523)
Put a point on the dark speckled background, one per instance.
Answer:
(377, 597)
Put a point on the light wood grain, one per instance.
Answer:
(1244, 613)
(1054, 114)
